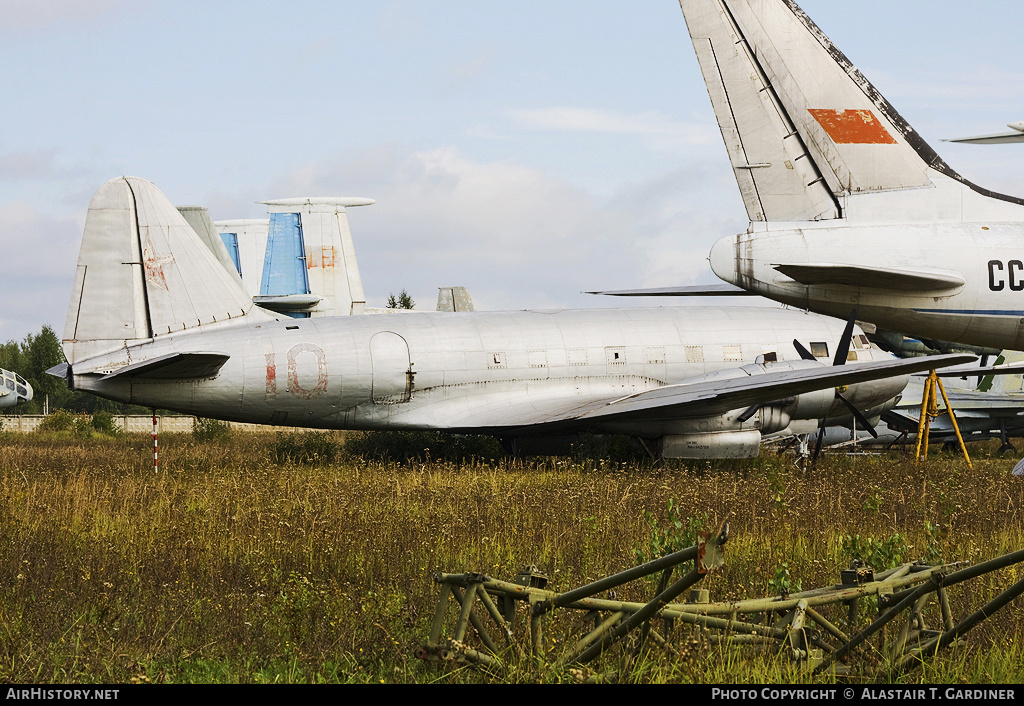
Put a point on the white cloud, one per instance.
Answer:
(569, 119)
(515, 236)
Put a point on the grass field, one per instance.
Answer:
(237, 564)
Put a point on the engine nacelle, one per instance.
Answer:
(723, 444)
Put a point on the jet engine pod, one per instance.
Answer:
(721, 444)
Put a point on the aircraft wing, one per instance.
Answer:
(903, 278)
(697, 290)
(701, 398)
(963, 371)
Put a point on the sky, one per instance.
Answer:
(529, 151)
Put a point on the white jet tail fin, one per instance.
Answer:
(143, 272)
(803, 128)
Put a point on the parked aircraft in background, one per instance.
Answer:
(454, 299)
(991, 408)
(1002, 138)
(848, 206)
(13, 389)
(301, 261)
(156, 320)
(988, 402)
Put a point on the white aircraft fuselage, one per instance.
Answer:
(489, 372)
(986, 308)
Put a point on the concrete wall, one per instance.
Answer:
(138, 424)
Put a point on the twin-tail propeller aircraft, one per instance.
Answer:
(155, 319)
(848, 206)
(13, 389)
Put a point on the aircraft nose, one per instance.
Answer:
(28, 388)
(723, 259)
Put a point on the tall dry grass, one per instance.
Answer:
(230, 566)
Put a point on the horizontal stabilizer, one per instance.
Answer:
(174, 366)
(288, 302)
(697, 290)
(1000, 139)
(903, 278)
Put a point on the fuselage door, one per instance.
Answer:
(392, 369)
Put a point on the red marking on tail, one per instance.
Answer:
(852, 127)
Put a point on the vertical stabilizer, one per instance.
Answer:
(454, 299)
(199, 218)
(248, 237)
(778, 179)
(319, 229)
(804, 129)
(143, 272)
(1004, 384)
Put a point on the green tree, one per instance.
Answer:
(31, 358)
(402, 301)
(42, 352)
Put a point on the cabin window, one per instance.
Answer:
(732, 352)
(819, 350)
(695, 354)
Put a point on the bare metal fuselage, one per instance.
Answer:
(987, 309)
(482, 372)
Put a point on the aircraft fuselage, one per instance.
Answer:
(986, 309)
(466, 371)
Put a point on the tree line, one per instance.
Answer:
(36, 354)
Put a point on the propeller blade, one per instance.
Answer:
(818, 443)
(748, 413)
(843, 351)
(864, 423)
(804, 353)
